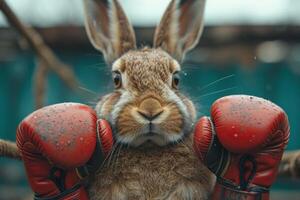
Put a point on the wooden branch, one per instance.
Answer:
(44, 52)
(290, 165)
(40, 82)
(9, 149)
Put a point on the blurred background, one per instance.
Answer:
(248, 47)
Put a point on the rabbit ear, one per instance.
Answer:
(180, 27)
(108, 28)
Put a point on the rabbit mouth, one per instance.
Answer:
(149, 138)
(152, 134)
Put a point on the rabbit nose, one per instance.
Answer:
(149, 116)
(150, 109)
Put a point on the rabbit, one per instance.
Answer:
(152, 120)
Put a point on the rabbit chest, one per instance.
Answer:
(171, 172)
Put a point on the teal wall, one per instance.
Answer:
(276, 82)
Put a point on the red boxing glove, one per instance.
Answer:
(57, 139)
(242, 144)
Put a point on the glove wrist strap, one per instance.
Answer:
(227, 191)
(63, 195)
(217, 158)
(96, 161)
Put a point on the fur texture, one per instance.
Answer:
(146, 76)
(152, 121)
(170, 172)
(154, 161)
(147, 170)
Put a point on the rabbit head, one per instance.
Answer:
(146, 105)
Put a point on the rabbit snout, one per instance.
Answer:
(150, 109)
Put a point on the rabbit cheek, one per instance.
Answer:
(172, 126)
(128, 128)
(120, 105)
(190, 107)
(106, 104)
(184, 107)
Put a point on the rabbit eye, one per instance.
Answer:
(117, 79)
(175, 80)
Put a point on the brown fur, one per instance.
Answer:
(180, 27)
(164, 38)
(153, 173)
(109, 32)
(109, 101)
(147, 69)
(148, 171)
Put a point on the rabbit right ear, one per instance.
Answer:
(108, 28)
(180, 27)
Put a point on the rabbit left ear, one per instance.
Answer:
(180, 28)
(108, 28)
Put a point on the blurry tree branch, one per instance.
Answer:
(45, 54)
(290, 164)
(9, 149)
(40, 83)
